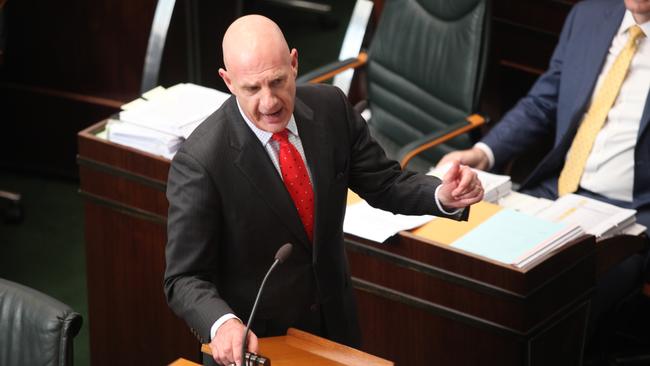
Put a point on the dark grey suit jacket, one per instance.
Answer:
(229, 212)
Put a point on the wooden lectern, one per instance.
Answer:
(420, 303)
(302, 348)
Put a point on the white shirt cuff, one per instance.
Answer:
(441, 208)
(486, 149)
(219, 322)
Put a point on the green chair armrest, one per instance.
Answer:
(330, 70)
(426, 142)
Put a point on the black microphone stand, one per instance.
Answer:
(280, 256)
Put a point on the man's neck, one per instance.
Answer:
(641, 18)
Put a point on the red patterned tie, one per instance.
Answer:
(296, 179)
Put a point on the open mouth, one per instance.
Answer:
(273, 115)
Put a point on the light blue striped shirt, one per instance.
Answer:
(273, 147)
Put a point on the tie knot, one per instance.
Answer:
(635, 33)
(281, 136)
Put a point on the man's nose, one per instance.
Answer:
(268, 101)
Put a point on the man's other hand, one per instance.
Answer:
(227, 342)
(473, 157)
(460, 187)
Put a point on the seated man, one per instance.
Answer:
(594, 101)
(273, 165)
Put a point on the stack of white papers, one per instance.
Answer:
(163, 118)
(595, 217)
(142, 138)
(495, 186)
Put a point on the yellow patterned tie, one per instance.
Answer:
(596, 116)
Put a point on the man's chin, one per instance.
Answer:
(274, 124)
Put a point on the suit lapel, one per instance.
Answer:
(255, 164)
(316, 145)
(600, 35)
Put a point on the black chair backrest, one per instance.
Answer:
(35, 329)
(426, 65)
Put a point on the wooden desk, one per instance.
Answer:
(125, 232)
(302, 348)
(183, 362)
(419, 302)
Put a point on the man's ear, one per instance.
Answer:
(294, 61)
(226, 79)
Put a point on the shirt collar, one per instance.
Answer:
(265, 136)
(628, 21)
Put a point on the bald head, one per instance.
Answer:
(260, 71)
(253, 38)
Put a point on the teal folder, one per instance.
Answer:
(507, 235)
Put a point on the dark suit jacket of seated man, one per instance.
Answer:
(230, 211)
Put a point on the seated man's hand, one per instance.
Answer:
(473, 157)
(227, 342)
(460, 187)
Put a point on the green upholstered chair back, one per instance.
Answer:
(425, 70)
(35, 329)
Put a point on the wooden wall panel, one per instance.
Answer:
(69, 64)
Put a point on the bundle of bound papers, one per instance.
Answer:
(176, 110)
(163, 118)
(595, 217)
(515, 238)
(142, 138)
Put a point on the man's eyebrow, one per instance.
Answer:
(249, 85)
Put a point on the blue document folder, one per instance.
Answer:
(508, 235)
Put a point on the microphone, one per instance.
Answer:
(280, 256)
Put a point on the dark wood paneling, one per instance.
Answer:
(89, 47)
(128, 316)
(524, 35)
(39, 127)
(64, 60)
(125, 234)
(440, 340)
(435, 300)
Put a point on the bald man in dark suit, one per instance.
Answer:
(232, 204)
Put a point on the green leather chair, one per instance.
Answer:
(425, 69)
(35, 329)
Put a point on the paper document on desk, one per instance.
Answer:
(176, 110)
(162, 119)
(524, 203)
(141, 138)
(495, 186)
(512, 237)
(595, 217)
(371, 223)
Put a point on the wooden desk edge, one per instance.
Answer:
(324, 348)
(183, 362)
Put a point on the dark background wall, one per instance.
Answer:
(69, 64)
